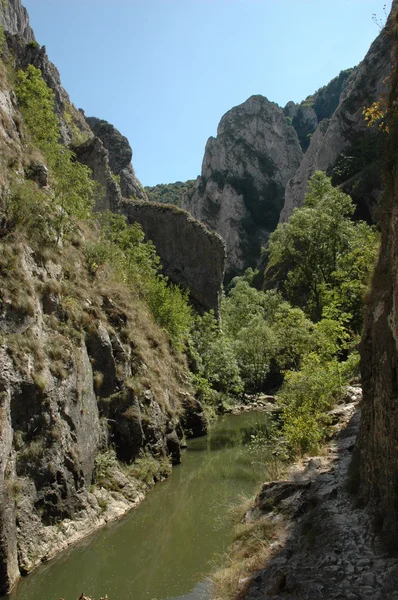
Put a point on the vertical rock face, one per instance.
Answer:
(14, 18)
(346, 131)
(120, 156)
(379, 355)
(192, 256)
(93, 154)
(244, 173)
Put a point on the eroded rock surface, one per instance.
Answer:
(192, 255)
(346, 128)
(379, 359)
(244, 173)
(15, 19)
(120, 156)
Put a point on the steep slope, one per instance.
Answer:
(93, 397)
(180, 240)
(120, 156)
(346, 137)
(378, 456)
(244, 173)
(306, 116)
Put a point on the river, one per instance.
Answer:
(169, 544)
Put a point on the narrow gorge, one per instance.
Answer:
(242, 324)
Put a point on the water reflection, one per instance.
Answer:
(170, 542)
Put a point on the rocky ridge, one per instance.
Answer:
(88, 384)
(346, 132)
(244, 172)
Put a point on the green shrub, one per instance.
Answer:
(70, 180)
(306, 396)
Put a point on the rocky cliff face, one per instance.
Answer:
(14, 18)
(120, 156)
(244, 173)
(379, 353)
(88, 382)
(191, 255)
(306, 116)
(181, 240)
(345, 135)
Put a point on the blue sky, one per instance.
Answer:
(165, 71)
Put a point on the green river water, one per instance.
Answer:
(167, 546)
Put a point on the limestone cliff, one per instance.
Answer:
(89, 385)
(378, 454)
(345, 137)
(14, 18)
(306, 116)
(120, 156)
(244, 173)
(180, 240)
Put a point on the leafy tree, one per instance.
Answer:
(215, 356)
(319, 247)
(254, 350)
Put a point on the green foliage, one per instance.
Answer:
(170, 193)
(216, 363)
(148, 469)
(71, 181)
(254, 347)
(33, 44)
(242, 304)
(2, 39)
(306, 396)
(137, 264)
(25, 208)
(320, 248)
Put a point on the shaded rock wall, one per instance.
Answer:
(378, 450)
(244, 173)
(192, 256)
(346, 128)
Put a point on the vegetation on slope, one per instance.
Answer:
(170, 193)
(302, 333)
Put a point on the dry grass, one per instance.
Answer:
(248, 553)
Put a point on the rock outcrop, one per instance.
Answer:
(25, 51)
(14, 18)
(72, 405)
(93, 154)
(346, 133)
(120, 155)
(306, 116)
(192, 255)
(244, 173)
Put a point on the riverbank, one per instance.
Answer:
(167, 546)
(308, 537)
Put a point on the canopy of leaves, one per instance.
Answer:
(170, 193)
(328, 257)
